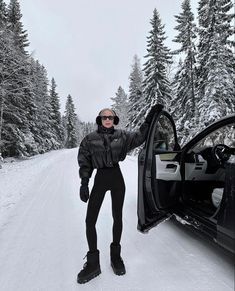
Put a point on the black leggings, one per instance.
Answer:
(105, 179)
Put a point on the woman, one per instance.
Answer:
(103, 149)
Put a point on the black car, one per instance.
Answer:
(195, 183)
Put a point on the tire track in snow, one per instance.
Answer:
(33, 221)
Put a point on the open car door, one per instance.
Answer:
(159, 178)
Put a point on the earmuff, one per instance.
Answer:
(115, 121)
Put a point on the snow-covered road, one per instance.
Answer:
(42, 236)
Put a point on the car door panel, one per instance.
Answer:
(157, 177)
(197, 172)
(167, 170)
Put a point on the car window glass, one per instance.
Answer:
(164, 135)
(224, 135)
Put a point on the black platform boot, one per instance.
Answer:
(91, 268)
(116, 260)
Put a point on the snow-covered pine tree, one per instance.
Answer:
(70, 123)
(17, 104)
(55, 113)
(36, 116)
(15, 99)
(16, 107)
(185, 78)
(176, 109)
(79, 127)
(15, 25)
(156, 84)
(26, 126)
(5, 47)
(121, 106)
(216, 61)
(86, 128)
(135, 95)
(3, 15)
(43, 131)
(30, 108)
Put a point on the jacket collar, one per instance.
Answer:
(103, 129)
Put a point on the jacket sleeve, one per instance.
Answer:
(136, 138)
(84, 160)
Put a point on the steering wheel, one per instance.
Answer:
(221, 153)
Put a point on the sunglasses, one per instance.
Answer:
(110, 117)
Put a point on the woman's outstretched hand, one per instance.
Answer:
(84, 193)
(152, 111)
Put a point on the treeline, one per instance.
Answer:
(196, 82)
(30, 118)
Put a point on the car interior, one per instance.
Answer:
(204, 167)
(205, 172)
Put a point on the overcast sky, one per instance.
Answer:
(88, 46)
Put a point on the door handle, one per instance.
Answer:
(171, 166)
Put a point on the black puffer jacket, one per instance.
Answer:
(106, 147)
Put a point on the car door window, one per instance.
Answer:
(164, 139)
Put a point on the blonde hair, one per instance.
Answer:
(109, 109)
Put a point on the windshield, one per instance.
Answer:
(223, 135)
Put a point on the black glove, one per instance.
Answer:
(153, 110)
(84, 190)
